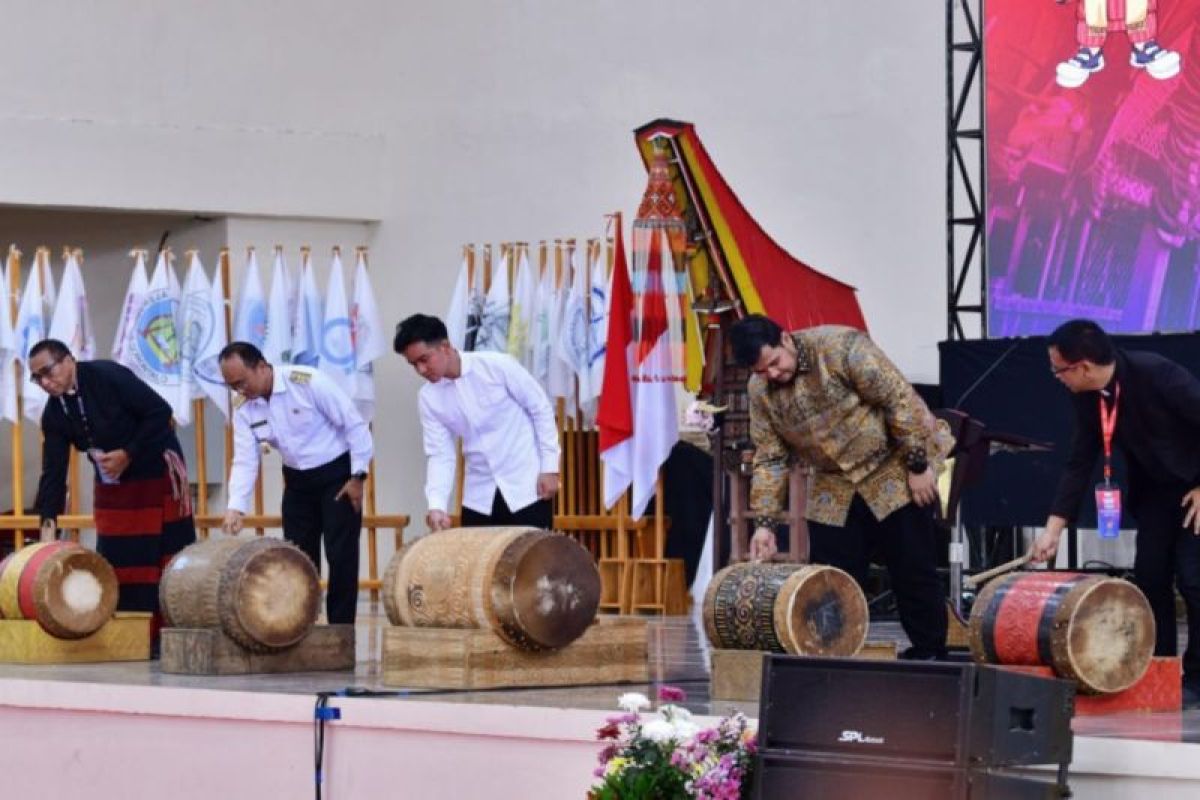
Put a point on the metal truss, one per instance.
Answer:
(965, 170)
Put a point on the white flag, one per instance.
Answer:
(309, 316)
(250, 319)
(71, 323)
(202, 336)
(456, 313)
(153, 350)
(49, 293)
(8, 350)
(369, 343)
(31, 329)
(337, 341)
(561, 378)
(493, 327)
(597, 329)
(138, 283)
(277, 344)
(571, 346)
(524, 304)
(542, 345)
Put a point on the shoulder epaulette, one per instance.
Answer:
(302, 378)
(238, 401)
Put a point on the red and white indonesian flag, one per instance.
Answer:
(658, 368)
(614, 418)
(71, 323)
(367, 331)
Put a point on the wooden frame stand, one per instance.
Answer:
(611, 651)
(125, 637)
(737, 674)
(208, 651)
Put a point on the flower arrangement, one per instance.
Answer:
(669, 756)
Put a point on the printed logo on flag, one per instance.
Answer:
(157, 346)
(196, 337)
(337, 345)
(33, 332)
(258, 324)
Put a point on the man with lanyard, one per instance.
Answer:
(142, 502)
(326, 449)
(1148, 406)
(504, 420)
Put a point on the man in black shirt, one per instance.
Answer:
(142, 500)
(1149, 406)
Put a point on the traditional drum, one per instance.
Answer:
(263, 593)
(71, 591)
(536, 589)
(1094, 630)
(809, 610)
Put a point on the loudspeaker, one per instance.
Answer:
(798, 777)
(943, 714)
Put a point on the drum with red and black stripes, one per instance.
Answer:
(1094, 630)
(70, 590)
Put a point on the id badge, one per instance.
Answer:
(1108, 511)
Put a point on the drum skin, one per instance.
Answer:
(69, 590)
(1094, 630)
(803, 609)
(264, 593)
(537, 590)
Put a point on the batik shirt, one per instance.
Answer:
(851, 416)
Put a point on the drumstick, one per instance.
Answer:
(1008, 566)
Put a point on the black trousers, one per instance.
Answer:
(310, 510)
(1168, 555)
(538, 514)
(907, 538)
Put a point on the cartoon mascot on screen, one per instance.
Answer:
(1139, 20)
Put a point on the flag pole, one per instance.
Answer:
(223, 276)
(18, 451)
(369, 489)
(560, 405)
(201, 444)
(73, 480)
(258, 482)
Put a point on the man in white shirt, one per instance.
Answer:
(326, 448)
(504, 420)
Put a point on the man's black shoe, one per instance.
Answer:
(918, 654)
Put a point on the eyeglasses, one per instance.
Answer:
(45, 372)
(1056, 371)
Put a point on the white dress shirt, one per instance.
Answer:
(307, 418)
(507, 428)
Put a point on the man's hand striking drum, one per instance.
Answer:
(232, 524)
(763, 545)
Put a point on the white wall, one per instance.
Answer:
(473, 121)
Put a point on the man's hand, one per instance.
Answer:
(547, 485)
(113, 463)
(763, 544)
(923, 486)
(232, 523)
(1191, 501)
(48, 529)
(353, 491)
(1045, 546)
(437, 520)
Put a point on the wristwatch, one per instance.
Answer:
(359, 476)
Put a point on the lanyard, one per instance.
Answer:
(1108, 424)
(87, 429)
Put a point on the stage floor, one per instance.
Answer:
(678, 656)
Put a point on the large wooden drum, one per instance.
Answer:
(263, 593)
(71, 591)
(1094, 630)
(809, 610)
(536, 589)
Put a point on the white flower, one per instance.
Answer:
(685, 729)
(673, 712)
(659, 730)
(633, 702)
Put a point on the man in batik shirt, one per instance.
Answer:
(829, 398)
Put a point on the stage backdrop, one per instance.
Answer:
(1093, 175)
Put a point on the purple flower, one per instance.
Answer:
(671, 694)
